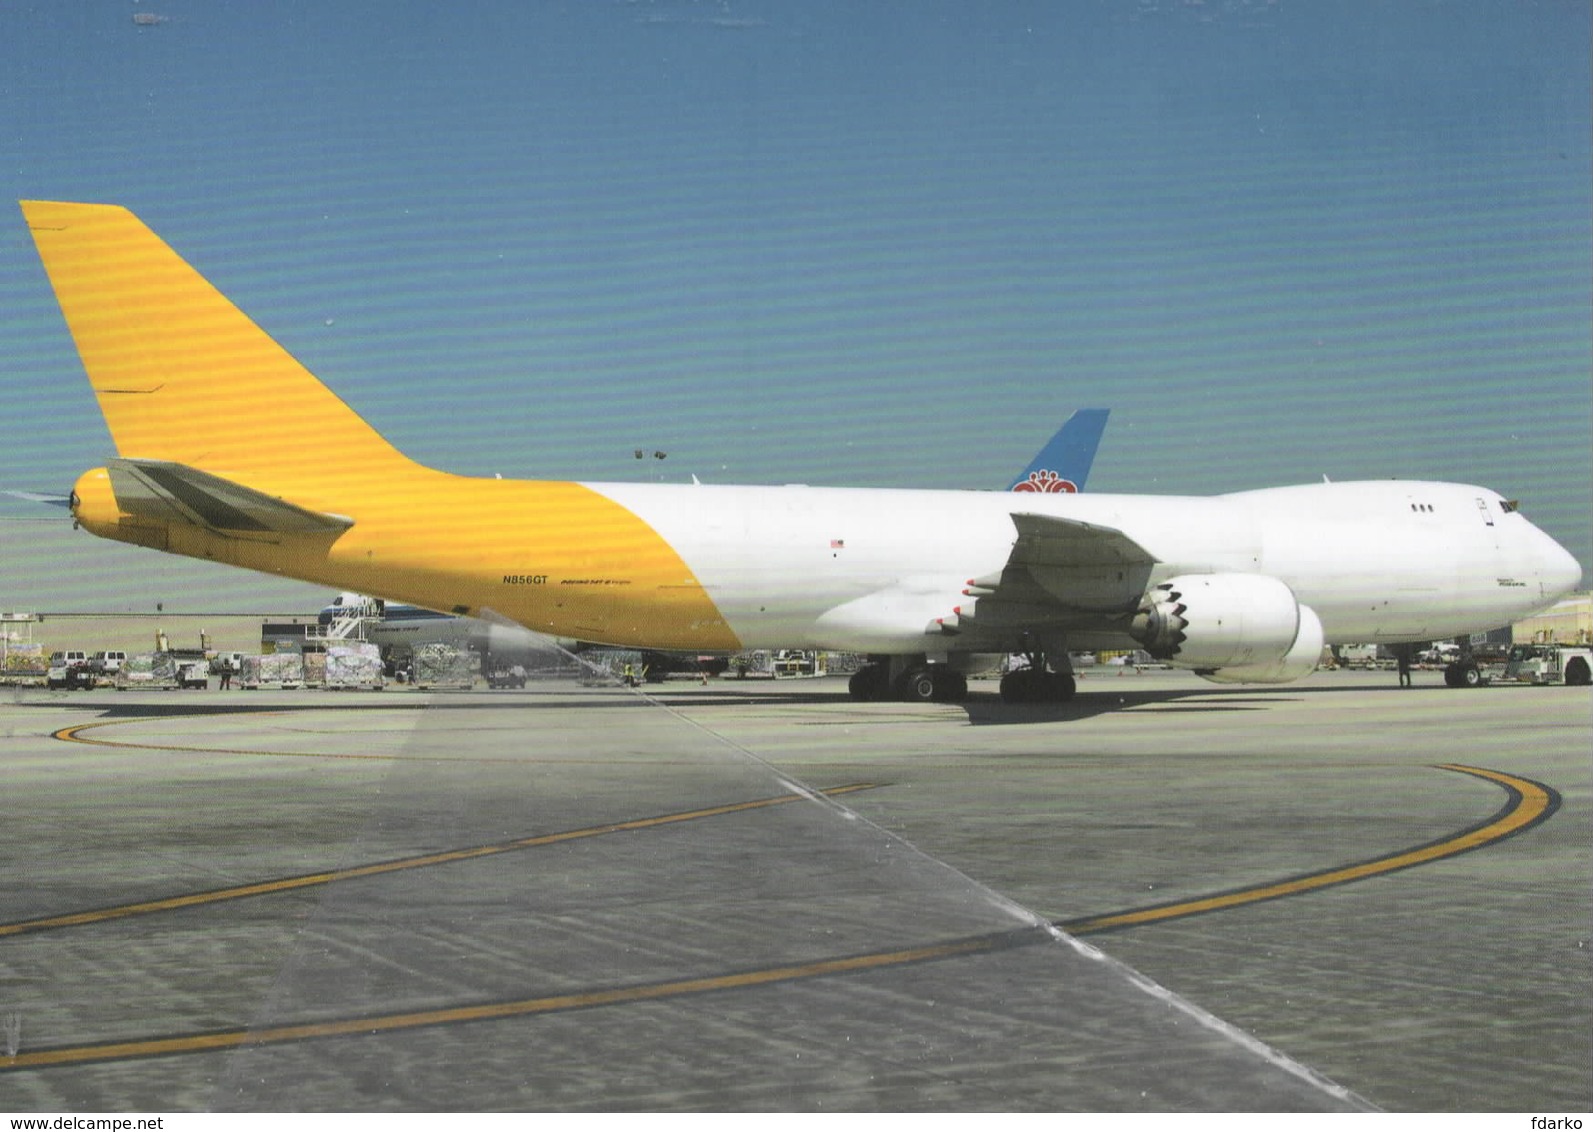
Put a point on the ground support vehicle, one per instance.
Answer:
(1359, 656)
(162, 670)
(69, 670)
(109, 662)
(797, 662)
(511, 677)
(1549, 664)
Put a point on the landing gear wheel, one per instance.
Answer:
(1463, 674)
(935, 684)
(868, 683)
(1577, 673)
(918, 686)
(1020, 687)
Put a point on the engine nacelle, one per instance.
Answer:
(1232, 628)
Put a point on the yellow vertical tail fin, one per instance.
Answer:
(182, 374)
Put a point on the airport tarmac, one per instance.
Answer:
(1166, 895)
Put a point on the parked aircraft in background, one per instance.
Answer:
(400, 630)
(1064, 463)
(1240, 587)
(390, 623)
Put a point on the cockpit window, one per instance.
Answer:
(1509, 505)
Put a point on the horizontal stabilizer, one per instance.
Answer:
(168, 492)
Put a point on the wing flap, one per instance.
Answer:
(1051, 541)
(168, 492)
(1061, 572)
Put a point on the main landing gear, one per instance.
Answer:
(915, 680)
(1035, 683)
(1037, 686)
(919, 683)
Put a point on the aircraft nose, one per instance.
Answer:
(1558, 572)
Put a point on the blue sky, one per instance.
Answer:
(888, 244)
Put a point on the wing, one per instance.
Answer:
(1061, 573)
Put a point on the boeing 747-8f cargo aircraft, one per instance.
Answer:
(1244, 587)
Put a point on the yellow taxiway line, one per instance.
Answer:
(491, 1011)
(446, 857)
(74, 734)
(1528, 804)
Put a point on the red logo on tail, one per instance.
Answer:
(1047, 482)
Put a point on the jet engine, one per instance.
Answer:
(1231, 628)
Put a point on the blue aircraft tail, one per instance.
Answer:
(1064, 463)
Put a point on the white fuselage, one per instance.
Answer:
(869, 569)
